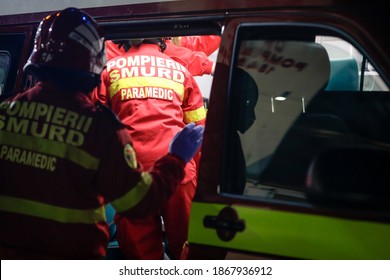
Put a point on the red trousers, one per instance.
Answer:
(143, 239)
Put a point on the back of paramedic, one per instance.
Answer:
(155, 97)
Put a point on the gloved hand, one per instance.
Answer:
(187, 142)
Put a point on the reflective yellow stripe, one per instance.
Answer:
(135, 195)
(195, 115)
(51, 212)
(57, 149)
(146, 82)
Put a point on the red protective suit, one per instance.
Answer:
(61, 160)
(196, 62)
(112, 50)
(155, 97)
(205, 43)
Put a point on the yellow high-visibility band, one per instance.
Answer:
(53, 148)
(290, 234)
(195, 115)
(135, 195)
(51, 212)
(146, 82)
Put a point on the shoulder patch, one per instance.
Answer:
(130, 156)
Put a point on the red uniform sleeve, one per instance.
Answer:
(206, 43)
(193, 105)
(166, 174)
(196, 62)
(194, 110)
(133, 191)
(112, 50)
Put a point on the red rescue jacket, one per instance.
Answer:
(155, 97)
(205, 43)
(61, 160)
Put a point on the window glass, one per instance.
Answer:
(4, 68)
(346, 67)
(11, 46)
(297, 98)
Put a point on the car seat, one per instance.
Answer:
(277, 141)
(344, 75)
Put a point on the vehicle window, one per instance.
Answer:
(292, 98)
(4, 68)
(346, 67)
(11, 46)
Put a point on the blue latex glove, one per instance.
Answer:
(187, 142)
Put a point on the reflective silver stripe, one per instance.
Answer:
(51, 212)
(135, 195)
(57, 149)
(87, 36)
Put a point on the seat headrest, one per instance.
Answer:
(294, 68)
(344, 75)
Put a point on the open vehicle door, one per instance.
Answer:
(296, 150)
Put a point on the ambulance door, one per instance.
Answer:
(295, 145)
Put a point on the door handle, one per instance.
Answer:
(227, 223)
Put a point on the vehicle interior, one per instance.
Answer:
(316, 93)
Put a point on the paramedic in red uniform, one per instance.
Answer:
(204, 43)
(155, 97)
(62, 158)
